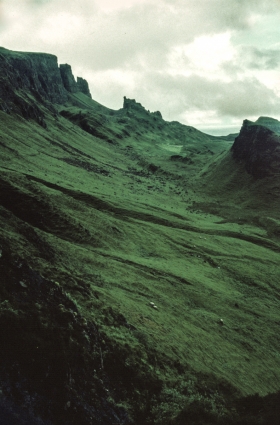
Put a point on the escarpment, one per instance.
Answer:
(30, 80)
(36, 72)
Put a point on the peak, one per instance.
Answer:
(132, 107)
(271, 123)
(258, 146)
(266, 119)
(132, 104)
(71, 85)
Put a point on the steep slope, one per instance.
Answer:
(258, 148)
(100, 224)
(243, 184)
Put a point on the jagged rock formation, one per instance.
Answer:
(70, 83)
(35, 72)
(132, 107)
(82, 86)
(29, 77)
(259, 148)
(132, 104)
(68, 78)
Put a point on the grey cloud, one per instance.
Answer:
(263, 58)
(149, 31)
(235, 99)
(141, 35)
(39, 2)
(140, 31)
(252, 58)
(220, 15)
(145, 32)
(245, 98)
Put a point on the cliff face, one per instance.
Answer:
(70, 83)
(259, 148)
(82, 86)
(68, 78)
(35, 72)
(38, 75)
(135, 108)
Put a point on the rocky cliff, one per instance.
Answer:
(29, 78)
(35, 72)
(82, 86)
(259, 148)
(69, 82)
(135, 108)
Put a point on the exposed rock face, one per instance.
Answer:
(259, 148)
(82, 86)
(68, 78)
(70, 83)
(131, 106)
(35, 72)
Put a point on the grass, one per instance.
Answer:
(116, 233)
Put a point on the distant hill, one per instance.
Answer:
(229, 137)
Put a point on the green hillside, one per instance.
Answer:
(139, 271)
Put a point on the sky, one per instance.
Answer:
(206, 63)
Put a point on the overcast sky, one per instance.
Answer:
(205, 63)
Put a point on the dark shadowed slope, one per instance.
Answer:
(244, 183)
(124, 241)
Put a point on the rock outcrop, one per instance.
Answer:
(68, 78)
(132, 107)
(37, 73)
(259, 148)
(82, 86)
(30, 80)
(71, 85)
(131, 104)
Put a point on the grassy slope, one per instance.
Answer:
(135, 234)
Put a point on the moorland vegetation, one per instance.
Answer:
(139, 260)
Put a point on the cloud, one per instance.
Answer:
(180, 95)
(115, 37)
(262, 59)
